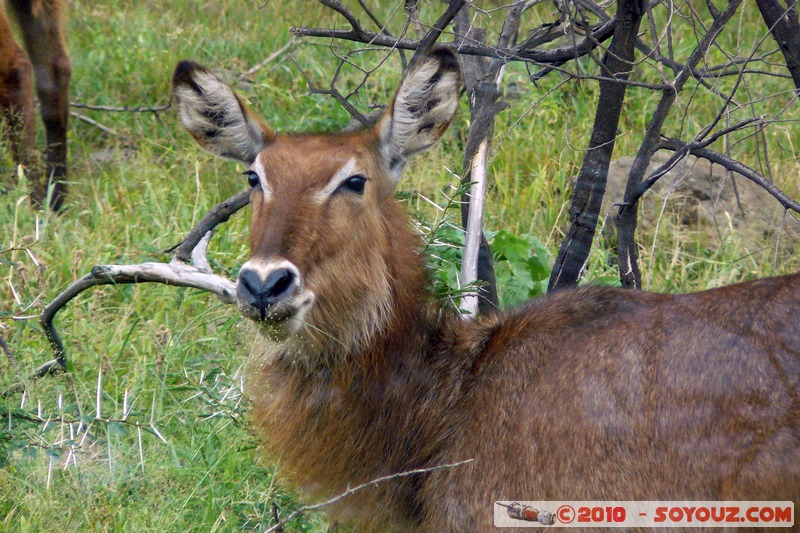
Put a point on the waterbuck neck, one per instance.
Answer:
(339, 403)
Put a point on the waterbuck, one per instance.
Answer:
(41, 23)
(591, 393)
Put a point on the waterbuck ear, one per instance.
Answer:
(215, 116)
(421, 110)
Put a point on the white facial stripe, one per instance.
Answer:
(258, 167)
(348, 170)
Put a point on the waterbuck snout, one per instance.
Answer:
(587, 394)
(272, 293)
(265, 287)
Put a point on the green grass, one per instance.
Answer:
(178, 354)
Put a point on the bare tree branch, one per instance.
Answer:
(337, 6)
(382, 27)
(474, 227)
(682, 152)
(482, 82)
(277, 53)
(219, 214)
(333, 92)
(175, 273)
(438, 27)
(598, 34)
(727, 163)
(92, 122)
(125, 109)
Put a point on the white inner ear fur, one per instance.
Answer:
(215, 119)
(348, 170)
(419, 115)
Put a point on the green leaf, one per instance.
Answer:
(522, 267)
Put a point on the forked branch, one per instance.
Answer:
(219, 213)
(188, 268)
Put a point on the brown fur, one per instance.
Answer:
(42, 26)
(586, 394)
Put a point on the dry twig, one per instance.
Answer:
(353, 490)
(277, 53)
(92, 122)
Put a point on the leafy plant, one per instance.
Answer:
(522, 262)
(522, 266)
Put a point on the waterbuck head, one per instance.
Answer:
(323, 220)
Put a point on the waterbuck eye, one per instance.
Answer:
(252, 177)
(354, 184)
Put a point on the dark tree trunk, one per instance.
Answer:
(783, 23)
(591, 184)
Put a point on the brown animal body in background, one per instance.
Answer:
(42, 26)
(592, 393)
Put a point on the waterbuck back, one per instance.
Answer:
(587, 394)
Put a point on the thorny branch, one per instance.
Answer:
(79, 432)
(125, 420)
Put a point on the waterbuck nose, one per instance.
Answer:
(262, 292)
